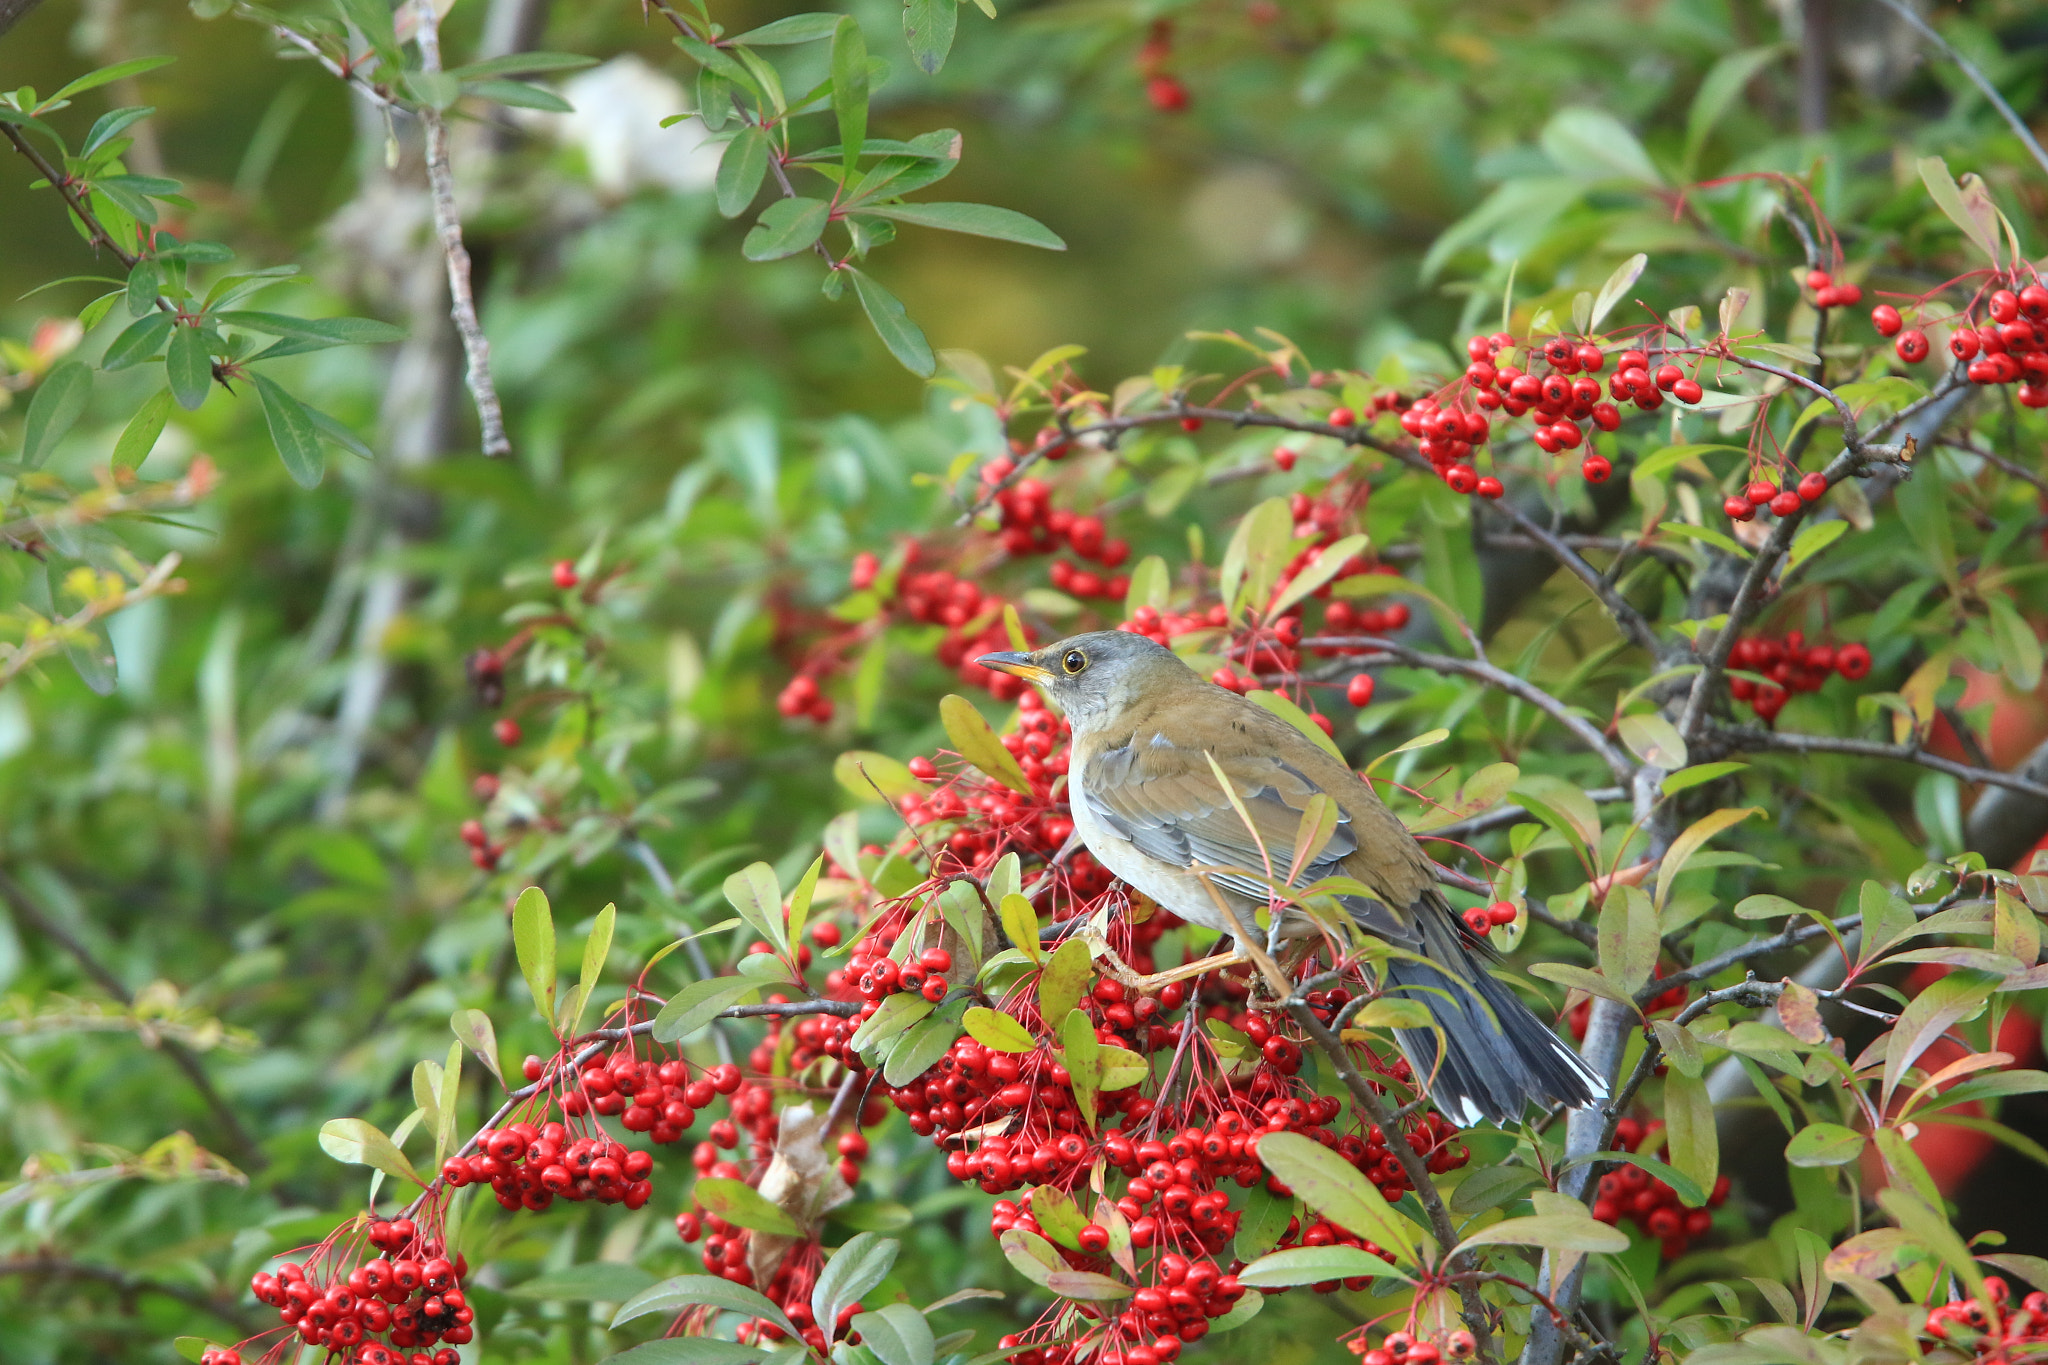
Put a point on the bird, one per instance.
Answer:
(1146, 802)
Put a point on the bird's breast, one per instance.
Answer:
(1174, 888)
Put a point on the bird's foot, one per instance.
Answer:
(1151, 983)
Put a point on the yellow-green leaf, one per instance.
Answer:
(993, 1028)
(974, 741)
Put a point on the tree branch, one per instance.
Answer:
(130, 1286)
(1492, 675)
(1976, 78)
(476, 348)
(72, 199)
(1743, 737)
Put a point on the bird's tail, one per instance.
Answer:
(1497, 1057)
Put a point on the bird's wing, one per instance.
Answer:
(1165, 800)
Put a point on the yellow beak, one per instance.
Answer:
(1017, 665)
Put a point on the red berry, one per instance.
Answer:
(1167, 94)
(1478, 921)
(1501, 912)
(1813, 487)
(1853, 661)
(1911, 346)
(1595, 468)
(1964, 345)
(2034, 300)
(507, 731)
(1093, 1239)
(1688, 391)
(1760, 491)
(1359, 690)
(1785, 504)
(1462, 478)
(1488, 487)
(1738, 508)
(1818, 280)
(1886, 320)
(473, 833)
(565, 574)
(935, 960)
(1667, 375)
(2005, 306)
(1343, 417)
(1283, 458)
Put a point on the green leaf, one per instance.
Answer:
(1691, 841)
(797, 28)
(1334, 1188)
(524, 64)
(1555, 1231)
(291, 430)
(59, 403)
(1082, 1055)
(688, 1291)
(854, 1269)
(974, 740)
(1698, 775)
(519, 95)
(697, 1004)
(591, 1282)
(190, 366)
(741, 1204)
(922, 1044)
(1824, 1144)
(850, 90)
(362, 1143)
(757, 895)
(897, 1333)
(448, 1103)
(876, 777)
(533, 941)
(974, 220)
(330, 331)
(137, 342)
(1653, 739)
(472, 1028)
(138, 438)
(1718, 92)
(1087, 1284)
(903, 337)
(145, 281)
(119, 71)
(1812, 540)
(1618, 284)
(995, 1029)
(928, 28)
(1592, 144)
(1941, 184)
(1065, 979)
(1628, 938)
(741, 170)
(595, 949)
(786, 227)
(1314, 1265)
(800, 901)
(1691, 1140)
(1580, 979)
(1262, 1223)
(2019, 649)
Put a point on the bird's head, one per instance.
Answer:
(1096, 676)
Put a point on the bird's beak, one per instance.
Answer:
(1017, 665)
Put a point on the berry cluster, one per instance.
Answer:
(410, 1295)
(1761, 492)
(1162, 87)
(1482, 919)
(526, 1166)
(1791, 665)
(1632, 1192)
(1405, 1348)
(2008, 346)
(1999, 1332)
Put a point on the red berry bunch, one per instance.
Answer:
(1761, 492)
(341, 1299)
(527, 1166)
(1997, 1332)
(483, 850)
(1481, 919)
(1162, 87)
(1791, 665)
(1405, 1348)
(1827, 293)
(1632, 1192)
(802, 697)
(2000, 339)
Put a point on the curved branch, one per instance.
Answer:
(1743, 737)
(1492, 675)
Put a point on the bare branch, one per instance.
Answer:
(476, 348)
(130, 1286)
(1743, 737)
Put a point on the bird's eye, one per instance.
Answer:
(1074, 661)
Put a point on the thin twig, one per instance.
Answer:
(1492, 675)
(476, 348)
(72, 199)
(1743, 737)
(1977, 78)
